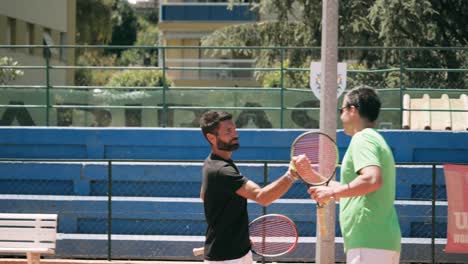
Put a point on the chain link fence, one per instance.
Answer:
(152, 209)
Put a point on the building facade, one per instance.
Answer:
(183, 24)
(45, 22)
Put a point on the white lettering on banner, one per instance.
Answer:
(461, 220)
(460, 238)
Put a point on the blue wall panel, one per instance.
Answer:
(173, 179)
(189, 144)
(177, 216)
(161, 198)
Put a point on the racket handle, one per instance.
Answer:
(322, 221)
(198, 251)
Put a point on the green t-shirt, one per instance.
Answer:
(370, 221)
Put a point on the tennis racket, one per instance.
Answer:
(271, 235)
(322, 152)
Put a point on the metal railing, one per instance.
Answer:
(203, 82)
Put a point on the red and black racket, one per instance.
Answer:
(322, 153)
(271, 235)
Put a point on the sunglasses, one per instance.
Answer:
(343, 108)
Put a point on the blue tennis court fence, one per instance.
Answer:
(151, 210)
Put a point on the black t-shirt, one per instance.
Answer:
(227, 235)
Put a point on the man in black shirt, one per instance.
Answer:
(225, 192)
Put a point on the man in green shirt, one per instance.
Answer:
(368, 219)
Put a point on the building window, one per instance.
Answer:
(63, 42)
(30, 36)
(48, 37)
(11, 31)
(48, 41)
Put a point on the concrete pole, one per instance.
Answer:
(325, 248)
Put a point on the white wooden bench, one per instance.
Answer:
(33, 234)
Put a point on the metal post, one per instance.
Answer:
(401, 86)
(47, 60)
(325, 247)
(282, 87)
(164, 113)
(265, 182)
(109, 210)
(433, 218)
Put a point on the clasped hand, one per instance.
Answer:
(322, 194)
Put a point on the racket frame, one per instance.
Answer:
(329, 177)
(200, 251)
(320, 213)
(287, 219)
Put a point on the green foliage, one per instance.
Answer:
(387, 23)
(272, 79)
(83, 77)
(124, 30)
(105, 22)
(8, 74)
(291, 79)
(94, 57)
(93, 22)
(131, 79)
(148, 35)
(135, 78)
(259, 34)
(359, 74)
(152, 17)
(124, 24)
(425, 23)
(131, 57)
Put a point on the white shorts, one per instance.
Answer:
(247, 259)
(372, 256)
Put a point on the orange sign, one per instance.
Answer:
(456, 180)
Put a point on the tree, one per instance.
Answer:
(148, 35)
(259, 34)
(152, 16)
(94, 57)
(99, 23)
(124, 30)
(102, 22)
(93, 22)
(387, 23)
(427, 23)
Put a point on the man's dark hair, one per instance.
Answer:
(366, 100)
(210, 120)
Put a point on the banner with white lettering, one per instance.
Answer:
(456, 180)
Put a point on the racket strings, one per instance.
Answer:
(321, 152)
(273, 236)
